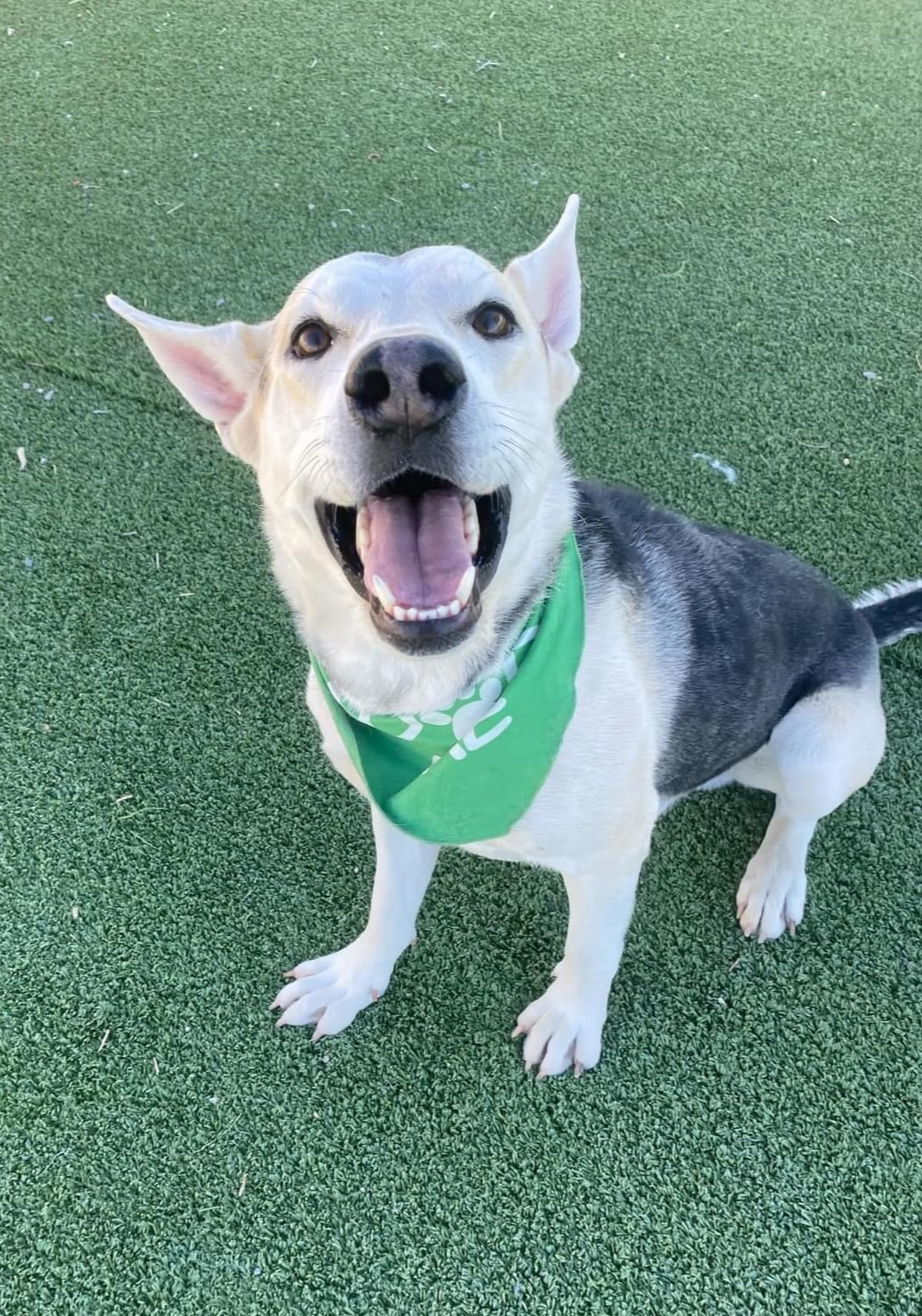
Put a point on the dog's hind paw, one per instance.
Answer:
(562, 1030)
(331, 990)
(769, 900)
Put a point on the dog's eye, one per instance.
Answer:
(493, 321)
(311, 339)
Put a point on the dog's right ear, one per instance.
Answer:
(548, 280)
(216, 368)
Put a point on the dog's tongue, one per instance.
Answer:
(417, 547)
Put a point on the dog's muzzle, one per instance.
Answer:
(419, 549)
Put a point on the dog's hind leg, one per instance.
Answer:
(822, 751)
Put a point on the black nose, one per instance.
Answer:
(405, 385)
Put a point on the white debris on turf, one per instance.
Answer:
(21, 454)
(723, 468)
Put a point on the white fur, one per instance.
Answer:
(824, 750)
(894, 589)
(592, 819)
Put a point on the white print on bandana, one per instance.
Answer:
(473, 708)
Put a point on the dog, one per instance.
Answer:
(568, 658)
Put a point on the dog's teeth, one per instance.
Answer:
(393, 609)
(362, 534)
(383, 591)
(467, 584)
(471, 526)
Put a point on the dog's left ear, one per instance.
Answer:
(548, 280)
(215, 367)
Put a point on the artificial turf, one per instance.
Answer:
(172, 837)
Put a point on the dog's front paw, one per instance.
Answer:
(562, 1028)
(331, 990)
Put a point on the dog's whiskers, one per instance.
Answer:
(510, 413)
(312, 461)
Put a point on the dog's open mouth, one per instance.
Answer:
(421, 551)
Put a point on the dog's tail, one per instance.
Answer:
(892, 610)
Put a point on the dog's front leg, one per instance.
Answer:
(563, 1028)
(331, 990)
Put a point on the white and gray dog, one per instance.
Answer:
(400, 415)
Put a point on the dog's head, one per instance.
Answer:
(399, 412)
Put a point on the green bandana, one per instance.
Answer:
(468, 772)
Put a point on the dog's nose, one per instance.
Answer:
(405, 385)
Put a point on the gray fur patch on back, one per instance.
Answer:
(742, 629)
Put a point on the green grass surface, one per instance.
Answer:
(172, 838)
